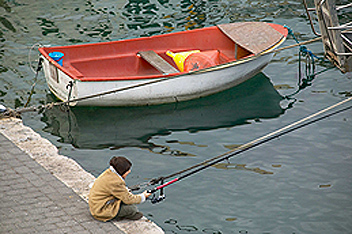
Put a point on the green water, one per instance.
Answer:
(299, 183)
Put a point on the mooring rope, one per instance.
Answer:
(310, 73)
(295, 45)
(261, 140)
(18, 111)
(11, 112)
(29, 56)
(169, 78)
(39, 67)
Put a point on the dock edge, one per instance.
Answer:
(65, 169)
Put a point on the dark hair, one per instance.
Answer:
(120, 164)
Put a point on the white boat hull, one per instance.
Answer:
(154, 91)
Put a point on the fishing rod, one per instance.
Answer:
(157, 180)
(280, 132)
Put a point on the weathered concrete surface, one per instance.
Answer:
(32, 200)
(64, 168)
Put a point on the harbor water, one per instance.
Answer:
(298, 183)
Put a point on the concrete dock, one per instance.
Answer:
(43, 192)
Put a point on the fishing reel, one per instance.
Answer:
(156, 199)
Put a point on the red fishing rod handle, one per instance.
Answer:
(162, 186)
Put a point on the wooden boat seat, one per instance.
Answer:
(158, 62)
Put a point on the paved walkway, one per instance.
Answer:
(32, 200)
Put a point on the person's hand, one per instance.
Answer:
(146, 194)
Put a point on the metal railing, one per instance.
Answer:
(337, 38)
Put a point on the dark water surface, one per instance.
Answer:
(299, 183)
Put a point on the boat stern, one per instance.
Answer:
(59, 83)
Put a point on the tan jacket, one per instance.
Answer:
(106, 195)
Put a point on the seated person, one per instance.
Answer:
(109, 197)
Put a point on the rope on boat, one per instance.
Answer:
(39, 67)
(295, 45)
(169, 78)
(309, 58)
(16, 112)
(261, 140)
(29, 56)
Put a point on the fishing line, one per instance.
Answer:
(280, 132)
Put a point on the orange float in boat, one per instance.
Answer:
(202, 60)
(195, 59)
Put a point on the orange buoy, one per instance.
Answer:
(202, 60)
(179, 58)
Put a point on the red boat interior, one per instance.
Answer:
(120, 59)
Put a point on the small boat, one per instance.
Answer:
(160, 69)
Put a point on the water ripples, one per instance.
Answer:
(300, 183)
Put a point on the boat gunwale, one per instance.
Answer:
(230, 63)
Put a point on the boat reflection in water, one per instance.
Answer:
(118, 127)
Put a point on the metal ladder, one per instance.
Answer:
(337, 39)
